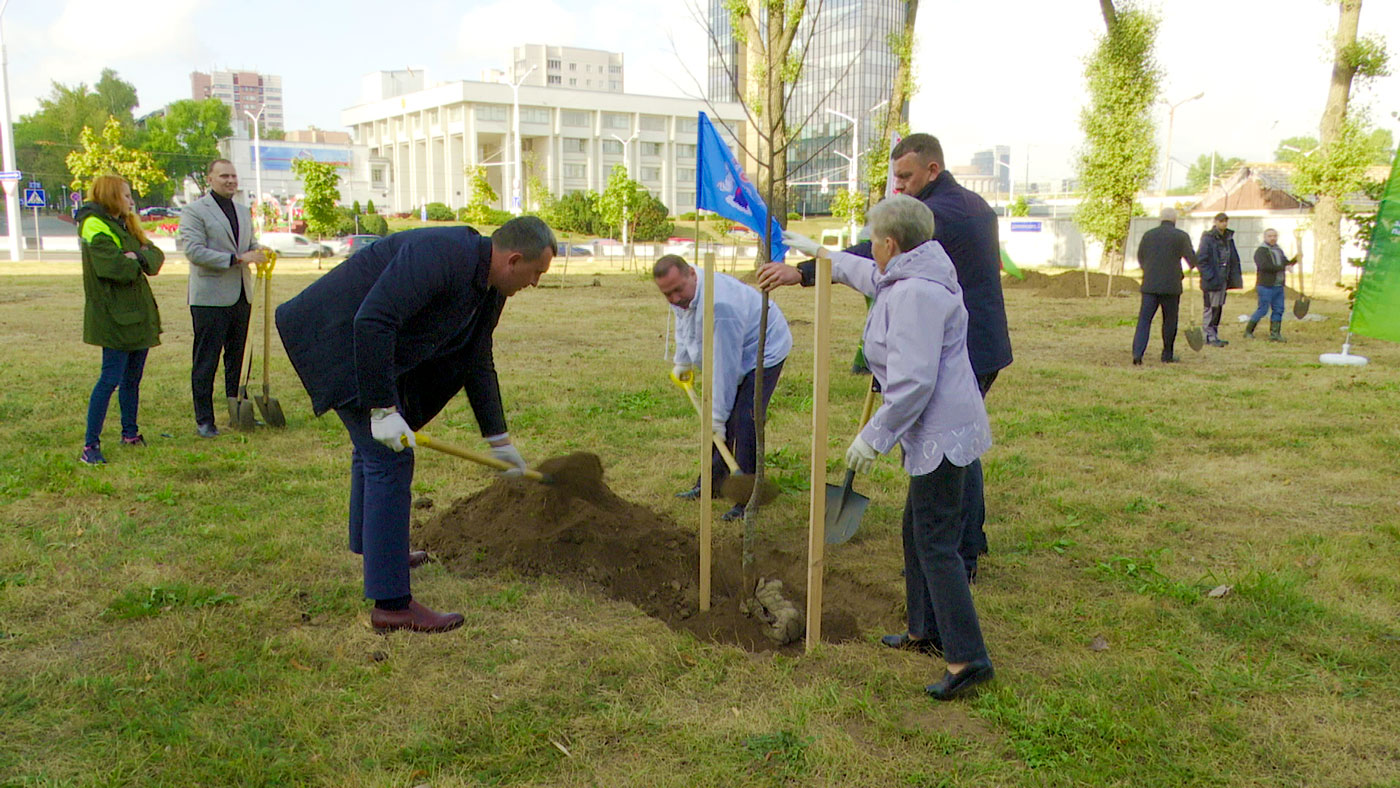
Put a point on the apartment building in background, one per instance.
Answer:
(568, 67)
(243, 92)
(430, 134)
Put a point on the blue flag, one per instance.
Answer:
(722, 187)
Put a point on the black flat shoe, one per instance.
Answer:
(693, 494)
(952, 685)
(903, 642)
(736, 513)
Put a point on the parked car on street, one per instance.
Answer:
(159, 212)
(351, 244)
(562, 249)
(294, 245)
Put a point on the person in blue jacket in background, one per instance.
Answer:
(385, 340)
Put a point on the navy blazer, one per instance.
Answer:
(408, 321)
(966, 227)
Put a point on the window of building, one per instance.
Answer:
(575, 170)
(614, 69)
(491, 112)
(685, 200)
(653, 123)
(573, 81)
(614, 85)
(685, 151)
(652, 148)
(554, 65)
(534, 114)
(651, 173)
(612, 146)
(554, 79)
(573, 67)
(685, 174)
(686, 124)
(574, 117)
(376, 177)
(588, 67)
(575, 145)
(616, 120)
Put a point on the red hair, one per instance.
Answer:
(107, 192)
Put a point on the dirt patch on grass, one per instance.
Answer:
(579, 530)
(1070, 284)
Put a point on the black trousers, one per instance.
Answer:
(974, 505)
(935, 582)
(1170, 306)
(217, 329)
(739, 430)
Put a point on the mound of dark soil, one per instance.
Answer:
(579, 530)
(1070, 284)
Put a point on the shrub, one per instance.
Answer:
(373, 224)
(651, 222)
(439, 212)
(794, 216)
(575, 213)
(369, 207)
(355, 209)
(484, 215)
(688, 216)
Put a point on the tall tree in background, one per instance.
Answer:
(100, 154)
(1198, 174)
(45, 138)
(1120, 148)
(877, 161)
(320, 182)
(186, 139)
(1337, 167)
(622, 197)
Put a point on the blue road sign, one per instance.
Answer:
(34, 198)
(1025, 227)
(10, 175)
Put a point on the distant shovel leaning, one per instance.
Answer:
(738, 488)
(844, 506)
(1302, 302)
(268, 405)
(1194, 336)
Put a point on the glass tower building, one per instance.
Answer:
(848, 67)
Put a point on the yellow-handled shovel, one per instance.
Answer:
(268, 405)
(739, 486)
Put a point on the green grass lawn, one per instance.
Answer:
(188, 615)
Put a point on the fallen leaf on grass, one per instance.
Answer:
(1099, 643)
(562, 748)
(1219, 591)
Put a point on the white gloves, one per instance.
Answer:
(861, 456)
(801, 243)
(508, 453)
(683, 372)
(390, 429)
(718, 428)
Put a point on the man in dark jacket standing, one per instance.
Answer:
(1160, 254)
(1219, 262)
(385, 340)
(1271, 264)
(966, 227)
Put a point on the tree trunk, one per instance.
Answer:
(1327, 260)
(1111, 261)
(899, 96)
(1110, 16)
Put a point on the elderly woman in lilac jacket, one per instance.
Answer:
(916, 345)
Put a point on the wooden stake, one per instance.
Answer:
(707, 401)
(816, 525)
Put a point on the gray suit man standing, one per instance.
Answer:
(218, 239)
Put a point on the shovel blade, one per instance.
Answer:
(1300, 307)
(1195, 338)
(271, 411)
(844, 510)
(246, 418)
(738, 488)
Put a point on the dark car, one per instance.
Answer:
(159, 212)
(354, 243)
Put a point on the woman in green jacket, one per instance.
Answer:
(120, 315)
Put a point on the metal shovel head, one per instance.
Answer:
(271, 411)
(844, 509)
(1195, 338)
(1300, 306)
(738, 488)
(246, 415)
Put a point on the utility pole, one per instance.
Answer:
(515, 177)
(257, 168)
(12, 216)
(1171, 123)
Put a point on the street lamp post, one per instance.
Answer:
(515, 132)
(627, 170)
(852, 168)
(257, 167)
(1171, 122)
(1010, 179)
(11, 187)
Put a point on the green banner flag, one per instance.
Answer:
(1376, 312)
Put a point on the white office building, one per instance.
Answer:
(569, 139)
(542, 65)
(363, 175)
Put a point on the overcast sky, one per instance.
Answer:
(990, 71)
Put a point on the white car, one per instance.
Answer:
(294, 245)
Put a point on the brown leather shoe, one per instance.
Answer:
(417, 558)
(416, 618)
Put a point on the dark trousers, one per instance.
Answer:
(121, 372)
(217, 329)
(739, 430)
(935, 582)
(380, 495)
(1170, 306)
(974, 504)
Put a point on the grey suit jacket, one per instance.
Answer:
(209, 242)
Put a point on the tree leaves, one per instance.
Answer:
(105, 153)
(321, 184)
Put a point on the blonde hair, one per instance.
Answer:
(107, 192)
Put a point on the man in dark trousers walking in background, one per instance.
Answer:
(1219, 262)
(966, 227)
(385, 340)
(1160, 254)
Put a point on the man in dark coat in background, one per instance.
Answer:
(1219, 262)
(385, 340)
(1160, 254)
(966, 227)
